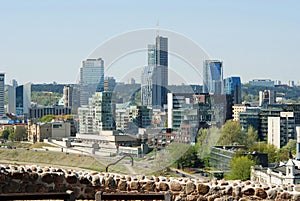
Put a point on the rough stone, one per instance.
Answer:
(71, 179)
(272, 193)
(110, 183)
(190, 187)
(224, 183)
(296, 197)
(149, 186)
(122, 185)
(259, 192)
(228, 190)
(17, 175)
(47, 177)
(203, 189)
(84, 180)
(215, 190)
(284, 196)
(237, 191)
(175, 186)
(248, 191)
(134, 185)
(191, 198)
(58, 178)
(201, 198)
(163, 186)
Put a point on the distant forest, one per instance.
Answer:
(49, 94)
(55, 88)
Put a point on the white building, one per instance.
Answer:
(281, 129)
(284, 173)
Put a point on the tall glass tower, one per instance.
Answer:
(155, 75)
(91, 78)
(213, 77)
(233, 86)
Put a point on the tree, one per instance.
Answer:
(19, 134)
(269, 149)
(231, 133)
(251, 137)
(240, 168)
(205, 140)
(47, 118)
(5, 134)
(287, 151)
(189, 158)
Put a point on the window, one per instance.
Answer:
(57, 126)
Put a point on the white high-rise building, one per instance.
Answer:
(91, 78)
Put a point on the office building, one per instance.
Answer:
(58, 130)
(267, 97)
(154, 76)
(39, 112)
(151, 55)
(213, 77)
(91, 78)
(213, 110)
(2, 83)
(98, 115)
(233, 86)
(109, 83)
(262, 82)
(68, 96)
(281, 129)
(19, 99)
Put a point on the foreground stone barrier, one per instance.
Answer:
(85, 184)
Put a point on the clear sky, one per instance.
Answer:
(44, 41)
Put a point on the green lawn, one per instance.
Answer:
(51, 158)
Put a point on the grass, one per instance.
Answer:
(51, 158)
(17, 144)
(40, 145)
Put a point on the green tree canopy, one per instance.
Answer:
(189, 158)
(206, 139)
(231, 133)
(19, 133)
(287, 151)
(251, 137)
(240, 168)
(5, 134)
(269, 149)
(47, 118)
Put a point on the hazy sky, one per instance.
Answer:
(44, 41)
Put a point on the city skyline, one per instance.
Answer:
(45, 41)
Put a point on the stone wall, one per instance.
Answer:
(86, 183)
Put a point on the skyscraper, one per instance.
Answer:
(155, 75)
(68, 96)
(91, 78)
(19, 99)
(233, 86)
(2, 78)
(213, 76)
